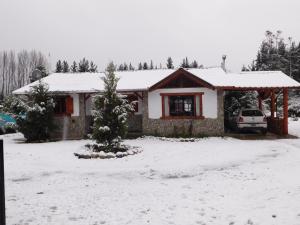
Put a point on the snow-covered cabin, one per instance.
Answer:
(169, 102)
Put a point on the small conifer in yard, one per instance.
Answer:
(36, 121)
(111, 111)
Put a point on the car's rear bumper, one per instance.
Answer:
(252, 125)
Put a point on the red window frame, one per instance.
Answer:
(195, 94)
(66, 105)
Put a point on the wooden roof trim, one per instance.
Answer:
(178, 73)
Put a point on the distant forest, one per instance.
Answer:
(277, 53)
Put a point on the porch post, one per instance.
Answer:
(272, 103)
(285, 111)
(259, 103)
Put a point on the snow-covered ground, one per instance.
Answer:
(210, 181)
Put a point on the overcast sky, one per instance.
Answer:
(141, 30)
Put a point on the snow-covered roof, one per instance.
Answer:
(253, 79)
(144, 79)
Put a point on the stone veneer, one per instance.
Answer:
(72, 127)
(184, 127)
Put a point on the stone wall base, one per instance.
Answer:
(183, 128)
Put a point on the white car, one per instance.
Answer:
(251, 119)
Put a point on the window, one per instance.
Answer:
(251, 113)
(182, 105)
(63, 105)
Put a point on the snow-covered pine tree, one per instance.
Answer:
(125, 67)
(140, 66)
(66, 68)
(39, 110)
(111, 111)
(131, 67)
(187, 64)
(170, 63)
(121, 67)
(59, 67)
(93, 67)
(145, 66)
(74, 67)
(84, 66)
(151, 65)
(194, 64)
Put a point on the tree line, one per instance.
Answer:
(16, 69)
(277, 53)
(81, 67)
(86, 66)
(150, 66)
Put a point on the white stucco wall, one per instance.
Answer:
(209, 101)
(75, 104)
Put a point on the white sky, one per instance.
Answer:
(141, 30)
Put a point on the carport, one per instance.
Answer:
(268, 84)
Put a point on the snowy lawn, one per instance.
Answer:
(210, 181)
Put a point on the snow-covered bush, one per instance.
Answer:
(36, 119)
(235, 100)
(110, 113)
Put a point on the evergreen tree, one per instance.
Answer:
(84, 66)
(111, 111)
(194, 64)
(39, 110)
(65, 67)
(170, 63)
(187, 64)
(59, 67)
(145, 66)
(74, 67)
(121, 67)
(183, 64)
(151, 65)
(93, 68)
(125, 67)
(140, 66)
(131, 67)
(275, 54)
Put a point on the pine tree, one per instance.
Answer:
(187, 64)
(59, 67)
(93, 68)
(183, 64)
(140, 66)
(39, 111)
(121, 67)
(65, 67)
(111, 111)
(131, 67)
(74, 67)
(151, 65)
(145, 66)
(125, 67)
(84, 66)
(170, 63)
(194, 64)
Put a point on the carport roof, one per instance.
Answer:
(248, 80)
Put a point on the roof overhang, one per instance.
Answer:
(178, 73)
